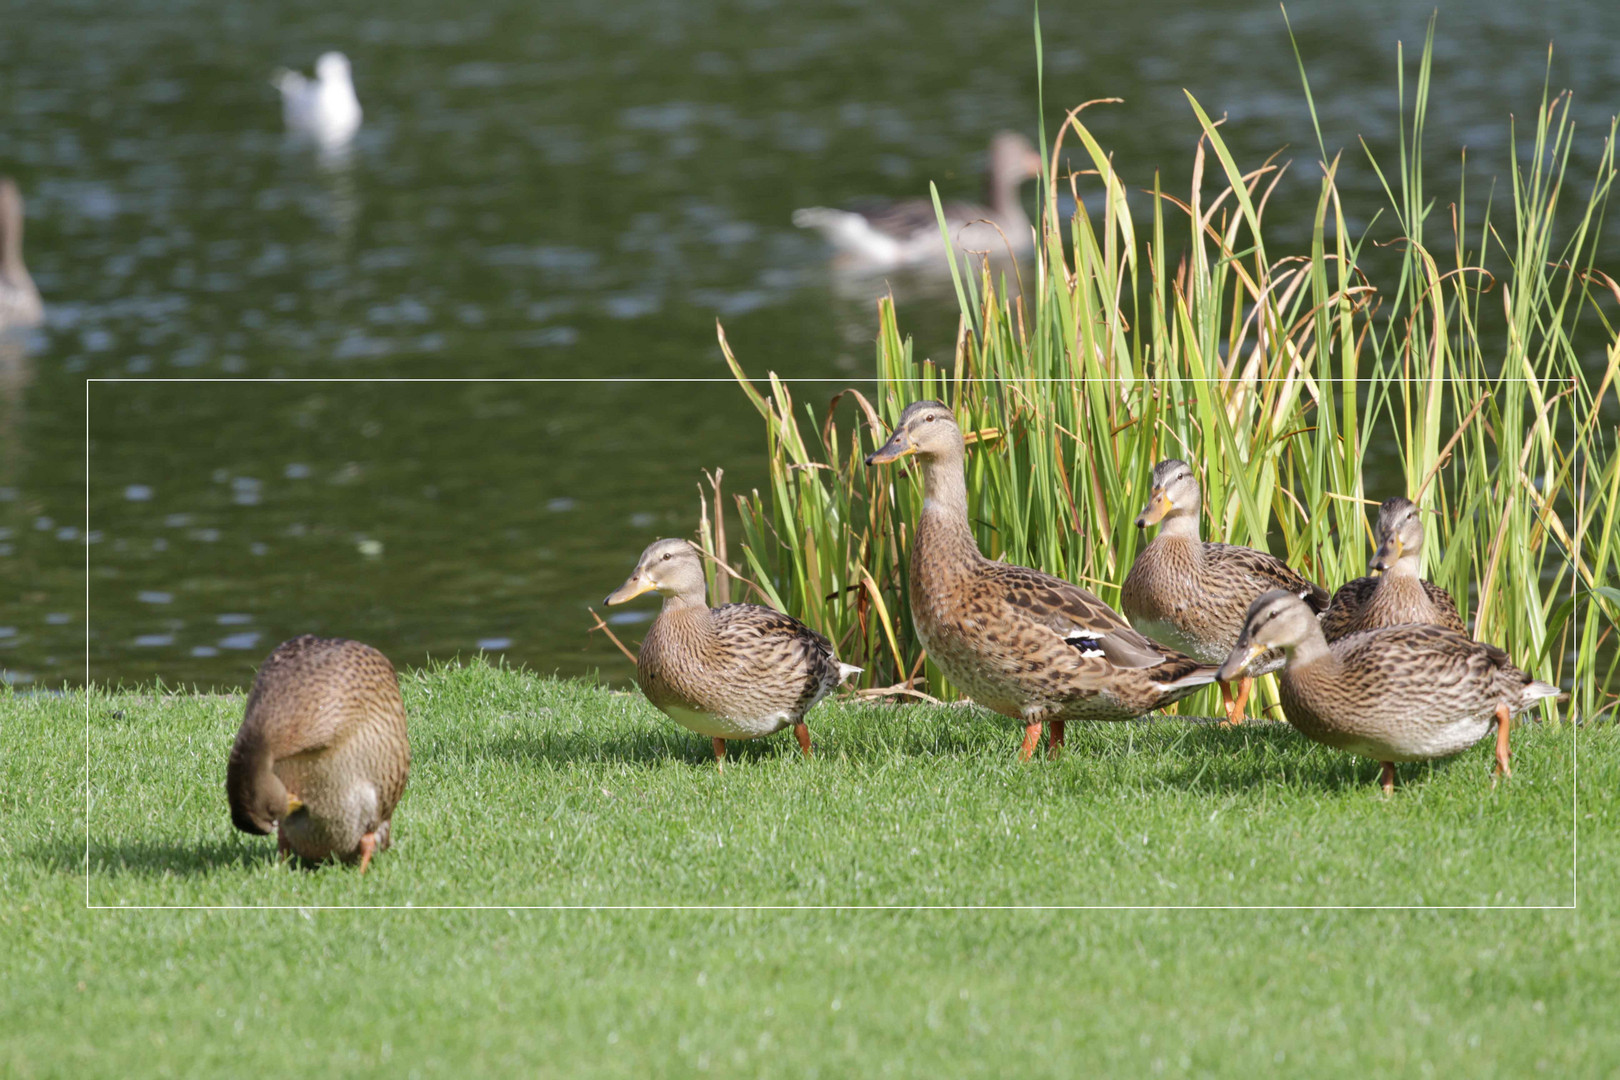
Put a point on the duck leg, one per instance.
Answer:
(368, 848)
(1504, 719)
(1236, 703)
(1032, 736)
(720, 755)
(801, 731)
(1054, 745)
(1386, 779)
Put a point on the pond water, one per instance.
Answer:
(570, 191)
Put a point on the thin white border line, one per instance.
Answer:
(942, 373)
(830, 907)
(1574, 770)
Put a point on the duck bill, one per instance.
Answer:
(1387, 555)
(294, 804)
(634, 587)
(898, 446)
(1159, 504)
(1241, 658)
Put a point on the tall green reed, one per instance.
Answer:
(1183, 336)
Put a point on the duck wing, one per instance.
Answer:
(1267, 572)
(904, 219)
(1075, 615)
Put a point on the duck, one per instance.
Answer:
(1398, 594)
(738, 671)
(322, 755)
(878, 234)
(1192, 595)
(20, 303)
(1032, 647)
(325, 108)
(1410, 692)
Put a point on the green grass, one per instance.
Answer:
(530, 791)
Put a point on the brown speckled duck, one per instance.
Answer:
(1400, 693)
(1399, 594)
(322, 753)
(737, 671)
(1025, 644)
(1192, 596)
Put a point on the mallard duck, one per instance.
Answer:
(324, 108)
(322, 753)
(1399, 693)
(737, 671)
(20, 304)
(1025, 644)
(880, 234)
(1192, 596)
(1399, 594)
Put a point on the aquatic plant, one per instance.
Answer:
(1457, 349)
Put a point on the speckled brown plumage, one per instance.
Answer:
(1399, 693)
(1399, 594)
(1026, 644)
(733, 672)
(325, 725)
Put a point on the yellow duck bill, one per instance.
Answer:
(898, 446)
(1159, 504)
(1242, 656)
(634, 587)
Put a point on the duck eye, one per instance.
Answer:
(667, 556)
(929, 418)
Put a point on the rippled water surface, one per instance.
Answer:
(558, 190)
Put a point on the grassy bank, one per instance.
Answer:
(1467, 338)
(533, 791)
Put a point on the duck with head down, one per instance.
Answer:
(1023, 643)
(1192, 595)
(322, 754)
(737, 671)
(1398, 594)
(1399, 693)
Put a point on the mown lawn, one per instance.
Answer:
(529, 791)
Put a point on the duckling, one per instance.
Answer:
(1191, 595)
(1399, 594)
(20, 305)
(1399, 693)
(1020, 642)
(879, 235)
(322, 754)
(737, 671)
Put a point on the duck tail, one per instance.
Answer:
(848, 671)
(1202, 675)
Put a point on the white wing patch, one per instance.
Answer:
(1085, 642)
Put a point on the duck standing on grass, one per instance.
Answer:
(737, 671)
(1399, 594)
(1400, 693)
(322, 754)
(324, 108)
(878, 234)
(1025, 644)
(20, 305)
(1193, 596)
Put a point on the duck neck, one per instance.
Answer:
(1313, 653)
(1182, 525)
(1001, 194)
(686, 605)
(12, 269)
(943, 530)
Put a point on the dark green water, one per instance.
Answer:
(556, 191)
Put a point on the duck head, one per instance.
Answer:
(926, 429)
(668, 567)
(1278, 619)
(1400, 537)
(1175, 493)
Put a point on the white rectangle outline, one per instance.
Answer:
(1575, 745)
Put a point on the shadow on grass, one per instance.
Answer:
(651, 749)
(154, 858)
(1218, 760)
